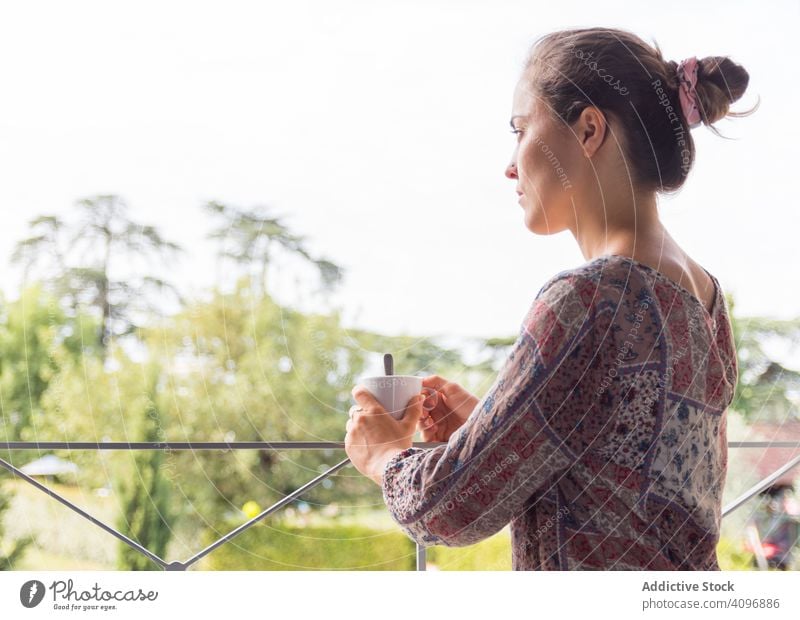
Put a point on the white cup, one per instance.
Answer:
(394, 392)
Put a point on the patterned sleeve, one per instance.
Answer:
(466, 490)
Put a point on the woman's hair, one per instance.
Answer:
(616, 71)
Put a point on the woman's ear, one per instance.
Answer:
(591, 129)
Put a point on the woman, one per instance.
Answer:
(602, 441)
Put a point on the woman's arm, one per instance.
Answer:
(467, 490)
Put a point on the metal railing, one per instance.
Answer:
(288, 445)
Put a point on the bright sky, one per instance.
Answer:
(381, 130)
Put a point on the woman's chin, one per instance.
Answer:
(537, 223)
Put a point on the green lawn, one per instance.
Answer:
(64, 539)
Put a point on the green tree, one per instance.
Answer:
(241, 367)
(250, 238)
(78, 260)
(45, 249)
(36, 338)
(144, 492)
(766, 390)
(30, 333)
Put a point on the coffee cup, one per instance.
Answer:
(394, 392)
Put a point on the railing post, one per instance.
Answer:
(421, 557)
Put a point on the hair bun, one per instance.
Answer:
(720, 82)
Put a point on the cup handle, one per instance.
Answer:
(431, 393)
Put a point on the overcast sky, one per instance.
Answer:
(380, 130)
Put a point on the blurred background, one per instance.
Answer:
(217, 217)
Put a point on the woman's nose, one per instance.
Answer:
(511, 170)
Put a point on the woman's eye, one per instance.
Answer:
(516, 131)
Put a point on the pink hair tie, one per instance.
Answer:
(687, 93)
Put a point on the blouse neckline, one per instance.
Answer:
(687, 293)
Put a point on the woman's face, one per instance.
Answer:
(546, 163)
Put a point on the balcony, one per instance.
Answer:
(182, 565)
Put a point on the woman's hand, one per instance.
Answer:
(451, 411)
(374, 437)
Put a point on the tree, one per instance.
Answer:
(75, 259)
(249, 237)
(36, 338)
(45, 248)
(146, 516)
(245, 369)
(766, 389)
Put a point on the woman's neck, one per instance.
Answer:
(625, 229)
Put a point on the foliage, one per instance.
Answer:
(494, 553)
(766, 390)
(30, 332)
(146, 516)
(249, 237)
(10, 553)
(733, 556)
(243, 368)
(74, 258)
(331, 547)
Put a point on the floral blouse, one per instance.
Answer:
(602, 440)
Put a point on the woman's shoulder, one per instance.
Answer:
(566, 302)
(571, 304)
(593, 300)
(603, 279)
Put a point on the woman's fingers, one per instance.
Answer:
(428, 428)
(433, 432)
(424, 422)
(426, 403)
(434, 381)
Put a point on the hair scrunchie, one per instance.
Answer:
(687, 92)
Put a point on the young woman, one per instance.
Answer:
(602, 441)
